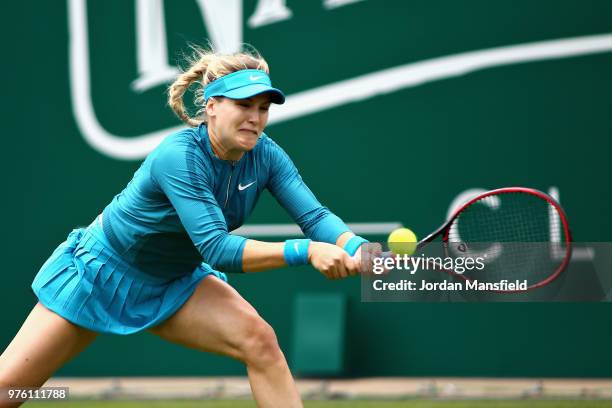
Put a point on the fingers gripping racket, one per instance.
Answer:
(521, 233)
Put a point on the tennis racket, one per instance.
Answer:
(521, 233)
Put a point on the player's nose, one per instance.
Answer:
(253, 116)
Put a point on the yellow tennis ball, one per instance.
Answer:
(402, 241)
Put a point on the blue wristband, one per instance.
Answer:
(353, 244)
(296, 251)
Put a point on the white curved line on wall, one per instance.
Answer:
(314, 100)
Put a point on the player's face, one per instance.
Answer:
(238, 123)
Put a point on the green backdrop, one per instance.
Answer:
(399, 156)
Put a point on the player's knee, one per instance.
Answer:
(260, 347)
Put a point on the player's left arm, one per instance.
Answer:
(316, 221)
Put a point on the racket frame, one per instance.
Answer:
(444, 230)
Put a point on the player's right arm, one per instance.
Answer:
(180, 173)
(331, 260)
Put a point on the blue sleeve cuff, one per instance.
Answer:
(353, 244)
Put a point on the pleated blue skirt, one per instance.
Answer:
(89, 284)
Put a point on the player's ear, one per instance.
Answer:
(211, 107)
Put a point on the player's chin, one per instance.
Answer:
(248, 141)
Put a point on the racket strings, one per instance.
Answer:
(509, 217)
(513, 232)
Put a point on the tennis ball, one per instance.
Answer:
(402, 241)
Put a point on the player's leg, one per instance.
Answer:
(43, 344)
(217, 319)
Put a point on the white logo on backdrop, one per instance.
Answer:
(223, 19)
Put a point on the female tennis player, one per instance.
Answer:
(155, 258)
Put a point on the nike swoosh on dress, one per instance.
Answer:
(241, 187)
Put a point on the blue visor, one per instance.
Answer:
(243, 84)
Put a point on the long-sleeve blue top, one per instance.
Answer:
(183, 201)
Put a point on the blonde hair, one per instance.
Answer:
(205, 67)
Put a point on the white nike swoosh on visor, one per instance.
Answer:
(255, 78)
(241, 187)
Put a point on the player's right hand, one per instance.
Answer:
(332, 261)
(365, 257)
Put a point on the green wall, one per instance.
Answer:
(400, 156)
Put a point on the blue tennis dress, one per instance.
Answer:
(143, 257)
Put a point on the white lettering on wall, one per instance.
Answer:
(151, 48)
(268, 12)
